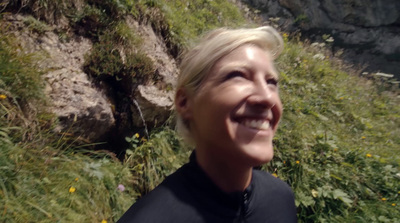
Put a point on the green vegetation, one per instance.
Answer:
(187, 19)
(20, 76)
(302, 18)
(337, 145)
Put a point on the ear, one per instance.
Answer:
(183, 104)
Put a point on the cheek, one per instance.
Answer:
(277, 110)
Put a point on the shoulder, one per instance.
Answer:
(151, 207)
(166, 203)
(274, 198)
(273, 184)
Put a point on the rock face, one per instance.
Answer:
(155, 104)
(85, 108)
(371, 28)
(154, 47)
(82, 109)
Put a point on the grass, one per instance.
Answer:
(181, 21)
(337, 145)
(46, 184)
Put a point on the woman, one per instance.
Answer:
(228, 106)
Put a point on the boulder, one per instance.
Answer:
(90, 110)
(365, 28)
(152, 106)
(82, 109)
(154, 101)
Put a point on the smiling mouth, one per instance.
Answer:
(260, 124)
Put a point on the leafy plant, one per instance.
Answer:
(155, 159)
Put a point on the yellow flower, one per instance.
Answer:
(72, 189)
(275, 175)
(2, 96)
(363, 137)
(393, 204)
(137, 135)
(76, 179)
(341, 98)
(284, 162)
(335, 149)
(369, 155)
(314, 193)
(103, 221)
(285, 36)
(297, 162)
(384, 199)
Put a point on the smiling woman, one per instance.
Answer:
(228, 106)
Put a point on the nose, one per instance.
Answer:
(262, 95)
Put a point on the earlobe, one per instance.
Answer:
(182, 104)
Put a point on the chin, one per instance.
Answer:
(261, 156)
(263, 160)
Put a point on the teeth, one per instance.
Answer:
(257, 124)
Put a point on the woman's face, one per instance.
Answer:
(235, 113)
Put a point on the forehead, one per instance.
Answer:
(249, 57)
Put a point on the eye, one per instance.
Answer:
(234, 74)
(272, 81)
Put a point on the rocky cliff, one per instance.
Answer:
(100, 83)
(367, 31)
(109, 67)
(87, 107)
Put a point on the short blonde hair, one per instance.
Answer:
(197, 62)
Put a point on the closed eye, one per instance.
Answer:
(234, 74)
(272, 81)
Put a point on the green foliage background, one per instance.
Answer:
(337, 145)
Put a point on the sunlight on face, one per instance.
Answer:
(237, 109)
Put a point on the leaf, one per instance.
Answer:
(129, 152)
(341, 195)
(336, 177)
(304, 199)
(93, 169)
(383, 219)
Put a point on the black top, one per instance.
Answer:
(189, 196)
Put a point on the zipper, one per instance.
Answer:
(244, 206)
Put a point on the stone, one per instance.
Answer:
(154, 101)
(153, 106)
(365, 28)
(81, 108)
(154, 47)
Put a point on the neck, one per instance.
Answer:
(228, 176)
